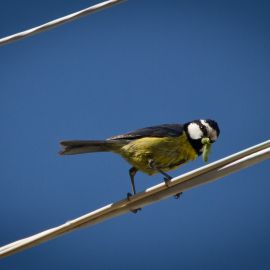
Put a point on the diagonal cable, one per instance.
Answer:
(192, 179)
(59, 21)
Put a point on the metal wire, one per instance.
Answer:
(205, 174)
(60, 21)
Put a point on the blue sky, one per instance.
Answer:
(137, 64)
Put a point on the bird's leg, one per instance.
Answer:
(132, 173)
(152, 165)
(167, 177)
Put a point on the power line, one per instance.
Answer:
(205, 174)
(60, 21)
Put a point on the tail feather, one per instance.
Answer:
(80, 147)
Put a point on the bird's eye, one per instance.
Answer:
(204, 130)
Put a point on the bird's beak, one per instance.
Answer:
(206, 148)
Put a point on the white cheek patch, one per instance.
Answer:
(211, 132)
(194, 131)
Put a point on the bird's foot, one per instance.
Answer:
(167, 179)
(129, 195)
(178, 195)
(134, 211)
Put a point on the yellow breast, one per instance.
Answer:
(168, 152)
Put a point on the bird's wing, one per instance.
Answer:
(166, 130)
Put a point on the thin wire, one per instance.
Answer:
(192, 179)
(60, 21)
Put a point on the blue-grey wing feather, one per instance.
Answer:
(166, 130)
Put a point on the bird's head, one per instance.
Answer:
(201, 134)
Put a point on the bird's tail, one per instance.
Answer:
(80, 147)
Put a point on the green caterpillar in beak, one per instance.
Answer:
(206, 148)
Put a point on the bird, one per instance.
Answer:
(154, 149)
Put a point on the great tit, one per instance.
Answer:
(155, 149)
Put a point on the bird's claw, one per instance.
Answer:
(134, 211)
(129, 195)
(177, 196)
(167, 179)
